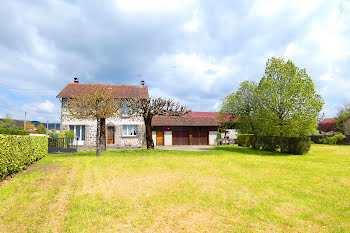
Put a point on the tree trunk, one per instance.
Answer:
(103, 134)
(149, 140)
(98, 146)
(281, 140)
(256, 135)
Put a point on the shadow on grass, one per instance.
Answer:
(126, 153)
(249, 151)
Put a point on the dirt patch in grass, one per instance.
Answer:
(130, 186)
(189, 218)
(47, 168)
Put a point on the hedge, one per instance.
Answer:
(336, 139)
(13, 131)
(297, 145)
(244, 139)
(56, 135)
(18, 152)
(69, 133)
(293, 145)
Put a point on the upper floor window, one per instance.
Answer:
(125, 110)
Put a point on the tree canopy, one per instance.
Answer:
(8, 122)
(97, 104)
(41, 129)
(284, 103)
(150, 107)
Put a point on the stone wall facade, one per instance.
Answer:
(116, 122)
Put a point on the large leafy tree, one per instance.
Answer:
(30, 125)
(342, 122)
(243, 104)
(288, 102)
(41, 129)
(7, 122)
(98, 104)
(150, 107)
(283, 104)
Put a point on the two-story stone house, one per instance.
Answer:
(120, 130)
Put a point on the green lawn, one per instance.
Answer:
(231, 189)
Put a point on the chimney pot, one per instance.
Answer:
(142, 83)
(76, 80)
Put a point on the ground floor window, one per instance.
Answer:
(79, 132)
(129, 130)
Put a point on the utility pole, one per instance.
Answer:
(47, 128)
(25, 120)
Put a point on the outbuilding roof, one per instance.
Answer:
(327, 124)
(193, 119)
(183, 121)
(73, 90)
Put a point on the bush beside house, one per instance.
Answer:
(293, 145)
(17, 152)
(13, 131)
(336, 139)
(244, 139)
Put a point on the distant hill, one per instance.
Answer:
(51, 125)
(19, 124)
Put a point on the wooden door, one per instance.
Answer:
(181, 138)
(110, 135)
(200, 137)
(204, 135)
(160, 138)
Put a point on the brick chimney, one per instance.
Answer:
(76, 80)
(142, 83)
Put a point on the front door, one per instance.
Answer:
(110, 135)
(160, 138)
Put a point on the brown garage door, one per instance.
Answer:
(200, 137)
(181, 138)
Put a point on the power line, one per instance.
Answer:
(30, 89)
(12, 110)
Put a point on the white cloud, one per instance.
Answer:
(192, 25)
(152, 5)
(299, 9)
(326, 77)
(193, 51)
(47, 106)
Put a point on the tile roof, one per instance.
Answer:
(327, 124)
(204, 114)
(119, 91)
(194, 119)
(183, 121)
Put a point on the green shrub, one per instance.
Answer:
(14, 131)
(59, 135)
(17, 152)
(244, 139)
(270, 143)
(293, 145)
(41, 129)
(69, 134)
(297, 145)
(337, 139)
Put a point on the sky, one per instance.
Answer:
(192, 51)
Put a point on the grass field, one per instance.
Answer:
(231, 189)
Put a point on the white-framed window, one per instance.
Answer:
(130, 130)
(79, 132)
